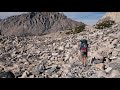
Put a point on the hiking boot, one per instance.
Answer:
(84, 65)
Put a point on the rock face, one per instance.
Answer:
(36, 23)
(115, 16)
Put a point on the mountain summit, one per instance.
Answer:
(36, 23)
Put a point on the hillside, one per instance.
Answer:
(56, 55)
(114, 16)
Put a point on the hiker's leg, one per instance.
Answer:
(83, 60)
(79, 55)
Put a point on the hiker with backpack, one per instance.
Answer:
(83, 50)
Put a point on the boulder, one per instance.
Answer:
(8, 74)
(113, 58)
(108, 69)
(114, 41)
(32, 76)
(51, 70)
(24, 75)
(97, 61)
(114, 73)
(114, 53)
(100, 66)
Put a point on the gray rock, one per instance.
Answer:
(114, 73)
(98, 61)
(24, 75)
(115, 65)
(8, 74)
(113, 58)
(114, 53)
(32, 76)
(52, 69)
(108, 69)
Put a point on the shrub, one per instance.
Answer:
(76, 30)
(104, 24)
(79, 29)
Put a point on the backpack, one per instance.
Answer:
(83, 45)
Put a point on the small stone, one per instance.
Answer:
(26, 63)
(37, 51)
(71, 60)
(107, 60)
(67, 56)
(18, 56)
(113, 58)
(54, 54)
(108, 69)
(67, 45)
(55, 76)
(54, 44)
(13, 54)
(61, 48)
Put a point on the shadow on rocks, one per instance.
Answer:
(8, 74)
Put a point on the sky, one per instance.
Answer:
(89, 18)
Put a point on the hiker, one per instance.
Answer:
(83, 50)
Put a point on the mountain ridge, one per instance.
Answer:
(36, 23)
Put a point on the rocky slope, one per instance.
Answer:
(56, 55)
(115, 16)
(36, 23)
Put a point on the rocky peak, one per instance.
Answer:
(37, 23)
